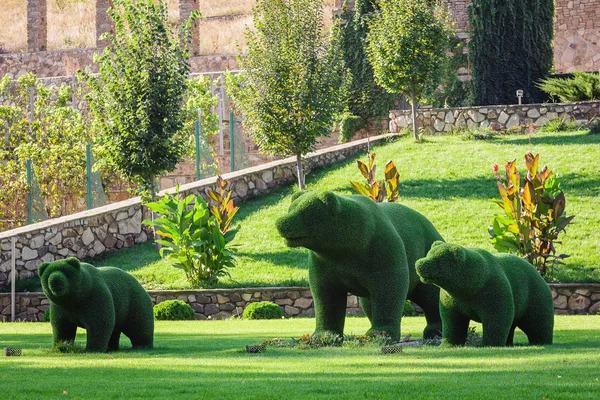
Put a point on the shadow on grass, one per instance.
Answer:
(553, 139)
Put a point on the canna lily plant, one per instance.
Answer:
(378, 190)
(534, 214)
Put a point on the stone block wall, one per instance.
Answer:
(440, 120)
(573, 298)
(577, 35)
(118, 225)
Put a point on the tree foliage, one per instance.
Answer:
(406, 46)
(582, 86)
(510, 49)
(293, 81)
(49, 132)
(138, 96)
(366, 99)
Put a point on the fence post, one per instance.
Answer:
(88, 175)
(13, 308)
(29, 195)
(231, 141)
(198, 129)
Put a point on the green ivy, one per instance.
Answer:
(510, 49)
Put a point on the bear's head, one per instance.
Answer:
(311, 221)
(446, 266)
(60, 278)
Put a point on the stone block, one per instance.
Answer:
(289, 310)
(303, 303)
(88, 237)
(227, 307)
(533, 113)
(211, 309)
(246, 296)
(560, 302)
(283, 302)
(578, 302)
(222, 299)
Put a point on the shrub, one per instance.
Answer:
(409, 309)
(583, 86)
(263, 310)
(535, 214)
(480, 134)
(349, 125)
(559, 125)
(195, 240)
(173, 310)
(594, 128)
(377, 190)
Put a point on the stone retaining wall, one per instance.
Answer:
(573, 298)
(118, 225)
(440, 120)
(47, 64)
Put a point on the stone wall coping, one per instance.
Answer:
(89, 49)
(508, 106)
(136, 201)
(556, 285)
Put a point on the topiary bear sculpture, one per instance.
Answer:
(502, 292)
(106, 301)
(365, 248)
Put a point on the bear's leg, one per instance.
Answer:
(386, 313)
(141, 333)
(539, 331)
(113, 343)
(496, 327)
(365, 304)
(511, 336)
(428, 298)
(63, 330)
(330, 305)
(455, 326)
(99, 330)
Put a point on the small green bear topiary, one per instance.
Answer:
(365, 248)
(502, 292)
(105, 301)
(173, 310)
(263, 310)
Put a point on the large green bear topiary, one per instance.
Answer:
(106, 301)
(365, 248)
(502, 292)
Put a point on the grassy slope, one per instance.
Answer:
(205, 359)
(447, 179)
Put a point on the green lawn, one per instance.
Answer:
(206, 360)
(447, 179)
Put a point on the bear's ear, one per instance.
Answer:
(42, 267)
(331, 201)
(460, 254)
(73, 262)
(437, 243)
(297, 194)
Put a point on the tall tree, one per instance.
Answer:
(406, 46)
(366, 99)
(137, 98)
(510, 49)
(292, 86)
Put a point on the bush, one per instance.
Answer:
(30, 284)
(534, 214)
(409, 309)
(173, 310)
(583, 86)
(480, 134)
(559, 125)
(595, 128)
(349, 125)
(195, 240)
(263, 310)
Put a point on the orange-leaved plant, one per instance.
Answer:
(535, 214)
(224, 211)
(378, 190)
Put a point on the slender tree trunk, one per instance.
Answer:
(413, 103)
(153, 197)
(300, 171)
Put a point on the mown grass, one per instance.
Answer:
(206, 360)
(447, 179)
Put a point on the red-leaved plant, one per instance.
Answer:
(377, 190)
(535, 214)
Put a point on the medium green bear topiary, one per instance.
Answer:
(263, 310)
(105, 301)
(502, 292)
(365, 248)
(173, 310)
